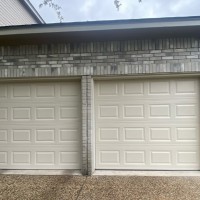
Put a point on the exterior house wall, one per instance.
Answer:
(99, 59)
(14, 13)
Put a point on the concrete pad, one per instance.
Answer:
(23, 187)
(141, 188)
(26, 187)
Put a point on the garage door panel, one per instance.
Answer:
(138, 111)
(42, 91)
(137, 157)
(40, 125)
(147, 124)
(159, 88)
(105, 90)
(186, 87)
(131, 88)
(108, 134)
(23, 136)
(45, 90)
(40, 136)
(181, 135)
(3, 114)
(3, 135)
(40, 157)
(187, 134)
(153, 88)
(21, 91)
(40, 112)
(3, 92)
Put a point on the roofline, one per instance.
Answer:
(33, 11)
(131, 24)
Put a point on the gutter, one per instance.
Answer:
(136, 24)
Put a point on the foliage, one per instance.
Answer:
(54, 6)
(57, 8)
(117, 3)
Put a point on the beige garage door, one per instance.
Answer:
(40, 125)
(147, 124)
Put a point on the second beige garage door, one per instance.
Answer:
(147, 124)
(40, 125)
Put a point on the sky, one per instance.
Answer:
(95, 10)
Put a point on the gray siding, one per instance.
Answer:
(12, 12)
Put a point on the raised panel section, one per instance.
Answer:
(109, 134)
(20, 91)
(109, 157)
(185, 87)
(108, 111)
(3, 113)
(159, 88)
(187, 157)
(135, 157)
(69, 157)
(21, 113)
(160, 157)
(45, 158)
(69, 89)
(21, 135)
(186, 134)
(185, 110)
(133, 111)
(159, 111)
(21, 158)
(3, 136)
(3, 91)
(45, 135)
(160, 134)
(134, 134)
(45, 113)
(69, 112)
(69, 135)
(133, 88)
(108, 89)
(3, 158)
(45, 91)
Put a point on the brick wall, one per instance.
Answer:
(101, 58)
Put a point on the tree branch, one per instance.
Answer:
(54, 6)
(118, 4)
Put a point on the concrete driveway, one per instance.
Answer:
(24, 187)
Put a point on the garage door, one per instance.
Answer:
(147, 124)
(40, 125)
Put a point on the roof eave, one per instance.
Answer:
(101, 31)
(98, 26)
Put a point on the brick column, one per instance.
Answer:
(87, 121)
(84, 126)
(90, 128)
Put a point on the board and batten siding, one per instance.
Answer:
(14, 13)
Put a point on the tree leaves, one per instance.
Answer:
(55, 6)
(118, 4)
